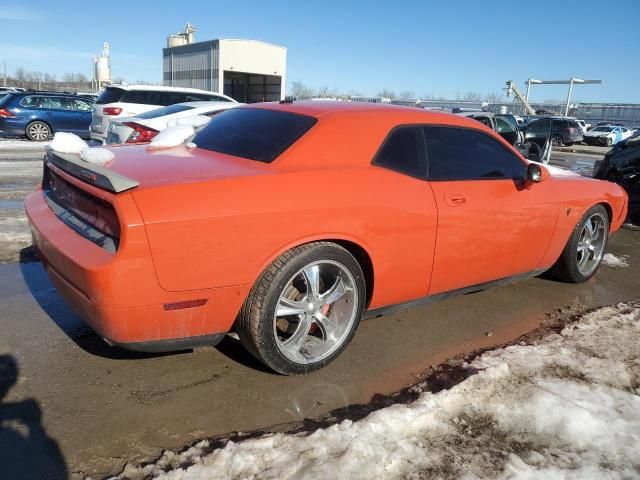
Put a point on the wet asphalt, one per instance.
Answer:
(82, 408)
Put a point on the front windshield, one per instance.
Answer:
(603, 129)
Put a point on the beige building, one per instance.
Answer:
(246, 70)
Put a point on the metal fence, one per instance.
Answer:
(627, 114)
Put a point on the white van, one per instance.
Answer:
(119, 101)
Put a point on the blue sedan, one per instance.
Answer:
(38, 115)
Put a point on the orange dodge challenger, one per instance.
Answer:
(289, 222)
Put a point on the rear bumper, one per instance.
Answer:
(13, 126)
(119, 296)
(595, 140)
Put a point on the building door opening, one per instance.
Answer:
(252, 88)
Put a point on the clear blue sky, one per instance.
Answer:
(442, 48)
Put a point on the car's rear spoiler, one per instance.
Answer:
(88, 172)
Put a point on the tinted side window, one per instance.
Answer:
(80, 105)
(110, 95)
(171, 98)
(143, 97)
(404, 152)
(54, 102)
(461, 154)
(30, 102)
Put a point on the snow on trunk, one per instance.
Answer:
(64, 142)
(567, 406)
(172, 136)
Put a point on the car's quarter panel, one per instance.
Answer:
(119, 295)
(226, 232)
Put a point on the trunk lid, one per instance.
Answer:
(136, 167)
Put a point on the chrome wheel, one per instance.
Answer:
(38, 131)
(315, 312)
(591, 243)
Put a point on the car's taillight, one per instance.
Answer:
(140, 134)
(4, 113)
(112, 110)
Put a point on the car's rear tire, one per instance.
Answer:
(584, 250)
(556, 140)
(38, 131)
(304, 309)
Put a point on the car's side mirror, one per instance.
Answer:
(536, 173)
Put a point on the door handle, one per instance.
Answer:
(455, 199)
(49, 113)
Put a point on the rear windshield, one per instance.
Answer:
(253, 133)
(161, 112)
(110, 95)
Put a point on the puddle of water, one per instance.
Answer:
(11, 204)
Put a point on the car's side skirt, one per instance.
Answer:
(401, 307)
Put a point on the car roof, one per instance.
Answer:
(321, 108)
(50, 94)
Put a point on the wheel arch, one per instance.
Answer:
(354, 246)
(37, 119)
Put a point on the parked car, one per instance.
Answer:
(600, 124)
(121, 101)
(607, 135)
(38, 115)
(621, 165)
(583, 125)
(291, 221)
(565, 132)
(143, 127)
(505, 127)
(532, 140)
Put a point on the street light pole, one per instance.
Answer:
(566, 108)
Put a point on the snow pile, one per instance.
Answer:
(566, 407)
(64, 142)
(610, 260)
(195, 121)
(172, 136)
(70, 143)
(97, 155)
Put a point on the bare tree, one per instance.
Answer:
(324, 91)
(407, 95)
(472, 96)
(494, 97)
(300, 90)
(385, 93)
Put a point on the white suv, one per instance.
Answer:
(119, 101)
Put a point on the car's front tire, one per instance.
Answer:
(583, 252)
(38, 131)
(304, 309)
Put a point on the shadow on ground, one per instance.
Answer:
(26, 451)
